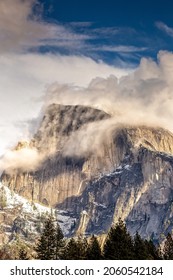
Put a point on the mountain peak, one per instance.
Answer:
(127, 174)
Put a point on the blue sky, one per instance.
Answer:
(114, 31)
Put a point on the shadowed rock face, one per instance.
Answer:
(139, 191)
(130, 177)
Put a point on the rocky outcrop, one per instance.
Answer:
(59, 176)
(139, 192)
(129, 176)
(20, 218)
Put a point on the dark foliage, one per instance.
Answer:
(59, 243)
(76, 249)
(23, 255)
(153, 252)
(168, 248)
(119, 244)
(50, 243)
(94, 250)
(140, 248)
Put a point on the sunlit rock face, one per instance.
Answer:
(128, 175)
(59, 176)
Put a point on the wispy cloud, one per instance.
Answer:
(112, 30)
(21, 28)
(122, 49)
(165, 28)
(81, 24)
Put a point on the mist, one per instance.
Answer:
(30, 81)
(143, 97)
(24, 159)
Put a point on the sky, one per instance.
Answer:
(48, 43)
(116, 31)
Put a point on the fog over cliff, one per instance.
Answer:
(30, 81)
(142, 97)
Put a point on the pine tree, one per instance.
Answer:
(118, 244)
(140, 248)
(47, 242)
(71, 250)
(59, 243)
(82, 245)
(168, 248)
(153, 252)
(51, 242)
(76, 249)
(94, 250)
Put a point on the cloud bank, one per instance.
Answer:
(25, 74)
(23, 82)
(143, 97)
(145, 94)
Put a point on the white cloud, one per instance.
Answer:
(145, 94)
(109, 31)
(23, 81)
(122, 49)
(23, 159)
(24, 76)
(143, 97)
(20, 29)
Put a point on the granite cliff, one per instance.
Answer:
(129, 175)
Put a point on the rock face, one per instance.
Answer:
(140, 192)
(59, 176)
(19, 217)
(129, 176)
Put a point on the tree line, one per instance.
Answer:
(118, 245)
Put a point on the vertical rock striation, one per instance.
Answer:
(129, 175)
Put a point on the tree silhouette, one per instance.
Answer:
(50, 243)
(76, 249)
(46, 244)
(94, 250)
(118, 244)
(71, 250)
(153, 252)
(59, 243)
(140, 248)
